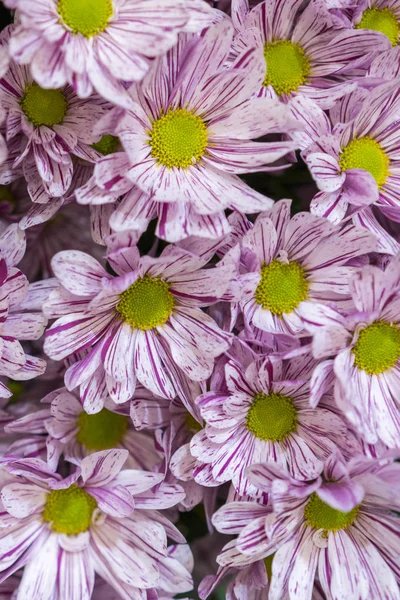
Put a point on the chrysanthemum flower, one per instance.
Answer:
(265, 415)
(64, 428)
(191, 128)
(355, 163)
(44, 129)
(99, 43)
(63, 531)
(137, 325)
(375, 15)
(292, 261)
(21, 317)
(365, 345)
(322, 529)
(303, 53)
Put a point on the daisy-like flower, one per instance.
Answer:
(99, 44)
(64, 428)
(286, 262)
(20, 312)
(365, 345)
(303, 54)
(321, 529)
(137, 325)
(190, 134)
(355, 163)
(375, 15)
(265, 415)
(98, 520)
(44, 129)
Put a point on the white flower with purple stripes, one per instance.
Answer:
(101, 519)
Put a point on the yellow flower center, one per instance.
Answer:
(282, 287)
(271, 418)
(366, 153)
(147, 303)
(43, 107)
(101, 431)
(287, 66)
(88, 17)
(383, 20)
(377, 348)
(69, 511)
(178, 139)
(320, 515)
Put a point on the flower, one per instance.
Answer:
(65, 429)
(190, 133)
(376, 15)
(265, 415)
(99, 44)
(356, 162)
(137, 325)
(21, 317)
(318, 529)
(287, 262)
(44, 128)
(303, 53)
(365, 345)
(97, 520)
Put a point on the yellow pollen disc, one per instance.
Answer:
(88, 17)
(320, 515)
(69, 511)
(282, 287)
(383, 20)
(287, 66)
(178, 139)
(377, 348)
(102, 430)
(43, 107)
(271, 417)
(366, 153)
(147, 303)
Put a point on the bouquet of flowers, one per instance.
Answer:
(200, 300)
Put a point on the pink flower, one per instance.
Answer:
(137, 325)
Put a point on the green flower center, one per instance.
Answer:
(287, 66)
(365, 153)
(320, 515)
(88, 17)
(147, 303)
(271, 418)
(178, 139)
(69, 511)
(107, 145)
(282, 287)
(383, 20)
(377, 348)
(43, 107)
(101, 431)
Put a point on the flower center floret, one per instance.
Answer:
(320, 515)
(106, 145)
(101, 431)
(43, 107)
(282, 287)
(88, 17)
(178, 139)
(383, 20)
(69, 511)
(377, 347)
(366, 153)
(271, 417)
(147, 303)
(287, 66)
